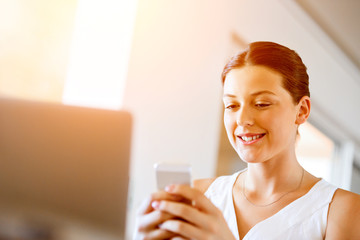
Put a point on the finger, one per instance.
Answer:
(146, 207)
(199, 200)
(160, 234)
(183, 211)
(185, 230)
(178, 238)
(151, 220)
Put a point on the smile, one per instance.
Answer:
(251, 139)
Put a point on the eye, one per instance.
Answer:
(231, 106)
(262, 105)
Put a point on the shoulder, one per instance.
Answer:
(203, 184)
(344, 216)
(220, 182)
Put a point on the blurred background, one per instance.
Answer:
(162, 60)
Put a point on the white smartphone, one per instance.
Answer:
(169, 173)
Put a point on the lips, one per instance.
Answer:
(250, 138)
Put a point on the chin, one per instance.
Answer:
(249, 158)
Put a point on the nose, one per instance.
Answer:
(244, 117)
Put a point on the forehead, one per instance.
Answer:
(251, 79)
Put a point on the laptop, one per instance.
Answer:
(62, 164)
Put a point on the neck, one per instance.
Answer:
(273, 176)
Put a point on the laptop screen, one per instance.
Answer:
(61, 164)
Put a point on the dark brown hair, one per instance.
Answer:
(276, 57)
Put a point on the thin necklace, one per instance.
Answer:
(265, 205)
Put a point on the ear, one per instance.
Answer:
(303, 110)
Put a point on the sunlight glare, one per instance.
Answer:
(99, 53)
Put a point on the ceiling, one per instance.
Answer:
(340, 21)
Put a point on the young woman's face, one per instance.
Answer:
(260, 116)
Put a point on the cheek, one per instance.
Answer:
(281, 124)
(230, 124)
(229, 121)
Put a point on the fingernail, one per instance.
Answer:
(170, 188)
(155, 204)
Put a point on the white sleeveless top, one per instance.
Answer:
(304, 218)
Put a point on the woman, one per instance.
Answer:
(266, 98)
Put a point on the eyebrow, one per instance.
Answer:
(252, 94)
(263, 92)
(229, 95)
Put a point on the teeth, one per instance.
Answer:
(247, 139)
